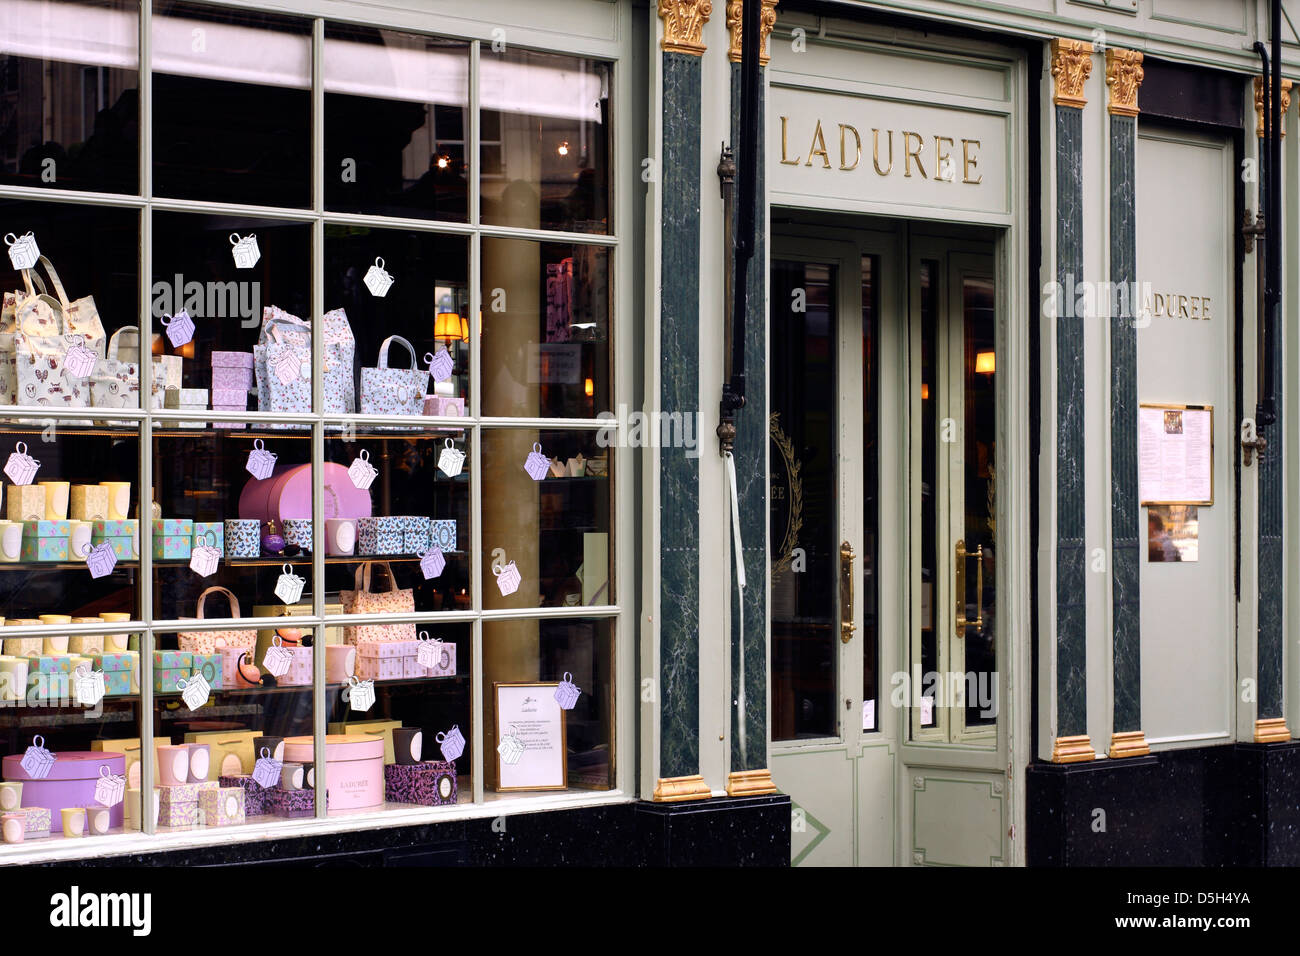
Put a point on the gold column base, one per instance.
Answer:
(1129, 743)
(1074, 749)
(1271, 730)
(749, 783)
(677, 789)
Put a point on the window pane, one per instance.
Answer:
(250, 139)
(396, 124)
(546, 348)
(545, 141)
(69, 103)
(554, 532)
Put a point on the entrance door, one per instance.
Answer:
(886, 635)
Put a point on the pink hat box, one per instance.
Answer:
(71, 781)
(354, 768)
(287, 494)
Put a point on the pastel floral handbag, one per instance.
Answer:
(365, 601)
(282, 363)
(393, 391)
(209, 642)
(41, 345)
(340, 359)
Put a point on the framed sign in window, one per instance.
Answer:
(530, 715)
(1176, 454)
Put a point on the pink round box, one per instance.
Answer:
(354, 768)
(71, 781)
(287, 494)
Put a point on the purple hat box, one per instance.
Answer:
(70, 783)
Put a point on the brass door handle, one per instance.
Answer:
(847, 627)
(959, 585)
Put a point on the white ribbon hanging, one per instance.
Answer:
(740, 602)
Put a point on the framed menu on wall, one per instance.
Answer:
(1176, 454)
(530, 715)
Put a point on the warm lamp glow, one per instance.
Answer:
(925, 391)
(589, 387)
(187, 350)
(563, 148)
(984, 363)
(451, 327)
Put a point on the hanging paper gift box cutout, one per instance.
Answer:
(23, 252)
(289, 366)
(37, 761)
(21, 467)
(507, 579)
(289, 588)
(277, 659)
(428, 653)
(79, 361)
(361, 471)
(360, 694)
(511, 747)
(205, 557)
(440, 365)
(450, 461)
(266, 772)
(180, 328)
(110, 788)
(244, 250)
(90, 686)
(536, 464)
(377, 280)
(567, 694)
(452, 743)
(194, 691)
(260, 461)
(431, 562)
(100, 560)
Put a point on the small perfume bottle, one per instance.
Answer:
(272, 540)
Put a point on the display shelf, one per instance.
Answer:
(265, 561)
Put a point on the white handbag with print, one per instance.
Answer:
(41, 345)
(115, 383)
(28, 298)
(393, 391)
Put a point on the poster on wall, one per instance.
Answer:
(530, 713)
(1176, 454)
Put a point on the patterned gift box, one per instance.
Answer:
(227, 378)
(381, 535)
(184, 793)
(429, 783)
(381, 668)
(122, 536)
(297, 531)
(242, 538)
(442, 534)
(444, 405)
(38, 819)
(415, 533)
(26, 502)
(86, 644)
(178, 814)
(45, 540)
(255, 795)
(211, 667)
(446, 666)
(300, 671)
(290, 803)
(173, 537)
(232, 359)
(222, 806)
(229, 408)
(51, 664)
(211, 533)
(230, 399)
(24, 646)
(88, 502)
(167, 667)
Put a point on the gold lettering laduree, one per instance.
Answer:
(1174, 305)
(937, 163)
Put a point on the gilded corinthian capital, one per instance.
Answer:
(766, 20)
(684, 24)
(1280, 112)
(1123, 77)
(1071, 65)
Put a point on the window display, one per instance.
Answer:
(369, 485)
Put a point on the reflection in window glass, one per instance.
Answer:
(546, 341)
(545, 141)
(251, 140)
(69, 104)
(396, 124)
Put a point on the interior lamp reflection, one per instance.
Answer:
(984, 363)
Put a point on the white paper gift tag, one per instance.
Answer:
(205, 558)
(21, 467)
(511, 747)
(361, 471)
(427, 652)
(37, 761)
(79, 360)
(266, 771)
(180, 328)
(507, 578)
(289, 588)
(452, 460)
(110, 788)
(244, 250)
(360, 694)
(567, 694)
(23, 251)
(537, 464)
(440, 365)
(100, 560)
(377, 279)
(431, 562)
(277, 658)
(260, 461)
(452, 743)
(194, 691)
(90, 686)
